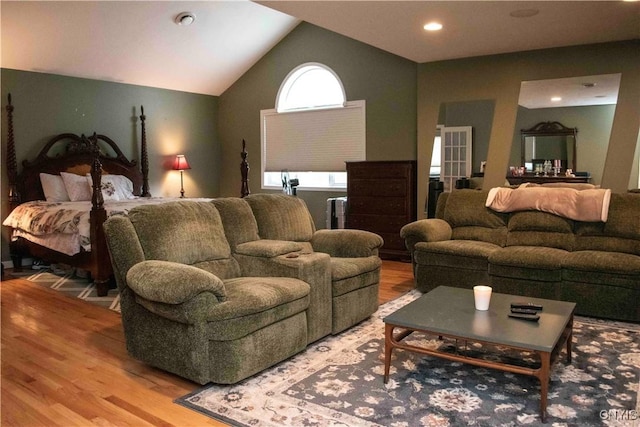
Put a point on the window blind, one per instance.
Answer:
(313, 140)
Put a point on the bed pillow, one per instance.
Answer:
(108, 188)
(119, 186)
(53, 188)
(77, 187)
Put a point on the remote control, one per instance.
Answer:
(526, 305)
(523, 311)
(529, 317)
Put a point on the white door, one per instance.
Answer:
(456, 163)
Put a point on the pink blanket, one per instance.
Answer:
(581, 205)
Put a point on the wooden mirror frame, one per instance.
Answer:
(550, 129)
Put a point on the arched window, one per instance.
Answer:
(310, 85)
(312, 131)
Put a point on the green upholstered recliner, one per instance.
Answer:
(355, 266)
(190, 307)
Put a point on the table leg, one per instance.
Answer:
(569, 340)
(388, 337)
(543, 376)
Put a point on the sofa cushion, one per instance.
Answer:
(239, 223)
(621, 232)
(600, 267)
(185, 232)
(253, 303)
(536, 228)
(565, 241)
(292, 221)
(624, 216)
(349, 274)
(464, 254)
(528, 262)
(539, 221)
(467, 208)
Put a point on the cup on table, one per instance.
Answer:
(482, 297)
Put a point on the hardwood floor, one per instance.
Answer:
(64, 362)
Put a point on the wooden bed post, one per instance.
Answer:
(144, 160)
(12, 164)
(244, 171)
(15, 248)
(98, 216)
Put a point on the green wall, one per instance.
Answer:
(177, 122)
(477, 114)
(387, 83)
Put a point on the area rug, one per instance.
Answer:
(338, 382)
(72, 283)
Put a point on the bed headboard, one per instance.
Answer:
(69, 152)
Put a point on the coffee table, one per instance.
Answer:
(450, 312)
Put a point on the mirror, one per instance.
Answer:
(549, 141)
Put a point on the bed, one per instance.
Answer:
(70, 231)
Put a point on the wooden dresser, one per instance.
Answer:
(381, 198)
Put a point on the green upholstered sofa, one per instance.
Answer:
(532, 253)
(204, 296)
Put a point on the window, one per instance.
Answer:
(310, 86)
(436, 154)
(312, 131)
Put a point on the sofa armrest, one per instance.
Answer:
(345, 243)
(172, 283)
(268, 248)
(425, 230)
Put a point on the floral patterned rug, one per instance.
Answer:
(338, 382)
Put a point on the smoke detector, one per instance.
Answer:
(185, 18)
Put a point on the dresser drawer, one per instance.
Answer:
(393, 241)
(377, 187)
(377, 205)
(376, 223)
(380, 170)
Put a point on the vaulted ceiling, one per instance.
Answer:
(139, 42)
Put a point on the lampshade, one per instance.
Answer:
(181, 164)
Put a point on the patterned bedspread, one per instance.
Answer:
(42, 219)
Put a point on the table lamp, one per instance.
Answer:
(181, 164)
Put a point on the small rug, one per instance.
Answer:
(339, 382)
(72, 283)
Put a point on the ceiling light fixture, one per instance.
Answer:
(433, 26)
(185, 18)
(524, 13)
(588, 85)
(556, 99)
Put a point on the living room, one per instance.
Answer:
(404, 98)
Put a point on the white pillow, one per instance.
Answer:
(107, 186)
(115, 187)
(53, 188)
(124, 186)
(77, 187)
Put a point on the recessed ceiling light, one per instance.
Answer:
(524, 13)
(185, 18)
(588, 85)
(556, 99)
(433, 26)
